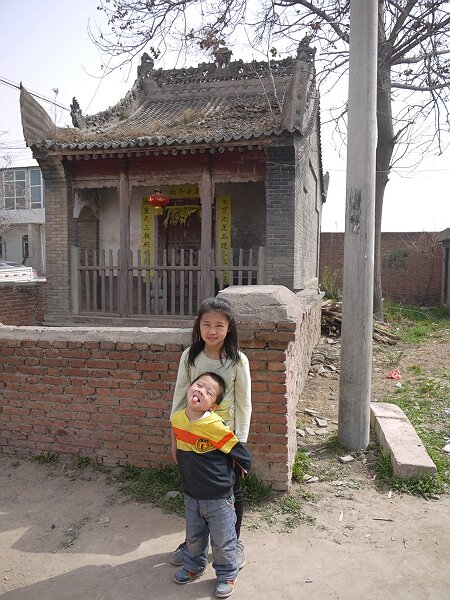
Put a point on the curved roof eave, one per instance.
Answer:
(158, 142)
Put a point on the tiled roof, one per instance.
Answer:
(204, 105)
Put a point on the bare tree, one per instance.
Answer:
(5, 161)
(5, 223)
(413, 62)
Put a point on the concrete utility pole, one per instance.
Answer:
(357, 300)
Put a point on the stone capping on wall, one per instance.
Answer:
(106, 393)
(270, 303)
(132, 335)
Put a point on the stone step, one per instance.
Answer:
(398, 438)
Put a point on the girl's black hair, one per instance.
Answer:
(230, 347)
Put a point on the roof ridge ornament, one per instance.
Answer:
(305, 51)
(78, 120)
(222, 57)
(145, 69)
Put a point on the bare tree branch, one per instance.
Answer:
(413, 68)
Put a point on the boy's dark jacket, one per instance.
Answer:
(206, 450)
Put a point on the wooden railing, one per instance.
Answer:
(169, 288)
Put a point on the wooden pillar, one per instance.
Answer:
(124, 217)
(206, 197)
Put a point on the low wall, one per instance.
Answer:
(22, 303)
(411, 265)
(106, 393)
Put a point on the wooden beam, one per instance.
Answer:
(124, 216)
(206, 190)
(74, 279)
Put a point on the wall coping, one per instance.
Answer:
(266, 303)
(135, 335)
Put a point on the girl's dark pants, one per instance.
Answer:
(238, 499)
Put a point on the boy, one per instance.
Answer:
(206, 451)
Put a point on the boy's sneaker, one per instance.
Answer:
(240, 554)
(224, 589)
(183, 576)
(176, 557)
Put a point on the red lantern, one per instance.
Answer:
(158, 199)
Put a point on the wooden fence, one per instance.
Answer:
(167, 288)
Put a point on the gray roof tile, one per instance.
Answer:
(202, 105)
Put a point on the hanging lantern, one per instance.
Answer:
(158, 200)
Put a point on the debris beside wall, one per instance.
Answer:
(332, 320)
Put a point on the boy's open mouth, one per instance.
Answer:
(195, 399)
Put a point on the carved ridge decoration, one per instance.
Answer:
(104, 117)
(237, 70)
(172, 78)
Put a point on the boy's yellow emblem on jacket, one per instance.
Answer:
(203, 445)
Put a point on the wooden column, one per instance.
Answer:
(206, 197)
(124, 216)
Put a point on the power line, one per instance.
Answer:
(9, 83)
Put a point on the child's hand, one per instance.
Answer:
(174, 447)
(244, 472)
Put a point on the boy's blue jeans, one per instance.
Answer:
(213, 519)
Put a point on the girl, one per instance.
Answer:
(215, 348)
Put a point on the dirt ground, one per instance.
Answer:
(66, 533)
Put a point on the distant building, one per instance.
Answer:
(22, 216)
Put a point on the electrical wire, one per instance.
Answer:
(11, 84)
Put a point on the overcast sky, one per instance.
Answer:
(46, 46)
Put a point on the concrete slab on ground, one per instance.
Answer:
(398, 438)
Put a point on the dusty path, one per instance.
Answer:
(69, 534)
(63, 538)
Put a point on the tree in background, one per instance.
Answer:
(413, 76)
(5, 161)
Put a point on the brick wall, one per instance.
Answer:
(279, 355)
(58, 222)
(308, 213)
(107, 393)
(280, 217)
(411, 265)
(22, 303)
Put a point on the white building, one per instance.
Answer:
(22, 217)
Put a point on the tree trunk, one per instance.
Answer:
(385, 148)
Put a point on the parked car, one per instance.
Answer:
(10, 271)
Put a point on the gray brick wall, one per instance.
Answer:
(57, 239)
(294, 208)
(308, 214)
(280, 222)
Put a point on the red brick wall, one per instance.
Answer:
(110, 399)
(22, 303)
(416, 279)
